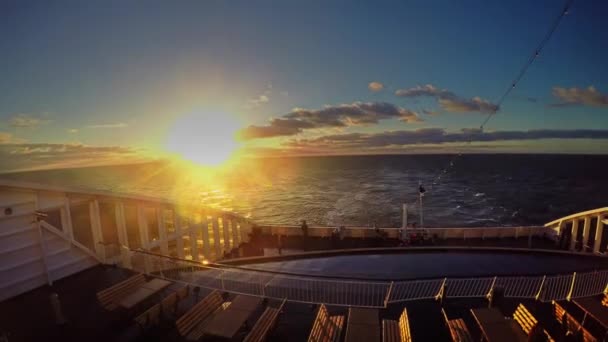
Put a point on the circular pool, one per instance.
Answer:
(435, 264)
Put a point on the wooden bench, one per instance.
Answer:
(527, 321)
(458, 329)
(524, 318)
(265, 323)
(570, 323)
(197, 315)
(393, 331)
(165, 309)
(326, 328)
(605, 299)
(110, 297)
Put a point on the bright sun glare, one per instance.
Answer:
(204, 138)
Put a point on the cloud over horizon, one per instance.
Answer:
(109, 125)
(27, 121)
(580, 96)
(5, 137)
(337, 116)
(448, 100)
(437, 136)
(17, 156)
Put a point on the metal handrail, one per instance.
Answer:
(364, 293)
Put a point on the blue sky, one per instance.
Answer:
(118, 73)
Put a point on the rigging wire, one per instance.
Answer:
(516, 80)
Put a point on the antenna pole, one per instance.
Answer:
(421, 211)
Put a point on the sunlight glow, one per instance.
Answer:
(205, 138)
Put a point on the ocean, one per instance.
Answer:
(461, 191)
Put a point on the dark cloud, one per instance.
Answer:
(448, 100)
(439, 136)
(580, 96)
(344, 115)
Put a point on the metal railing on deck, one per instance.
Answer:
(362, 293)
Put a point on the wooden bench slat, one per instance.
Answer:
(110, 296)
(198, 313)
(390, 331)
(326, 328)
(404, 326)
(338, 324)
(393, 331)
(459, 330)
(571, 323)
(605, 300)
(169, 304)
(265, 323)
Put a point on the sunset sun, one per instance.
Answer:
(206, 138)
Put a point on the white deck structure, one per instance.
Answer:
(47, 233)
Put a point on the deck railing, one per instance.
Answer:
(363, 293)
(588, 239)
(458, 233)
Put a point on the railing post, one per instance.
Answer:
(193, 227)
(162, 230)
(574, 234)
(216, 238)
(142, 223)
(226, 226)
(121, 226)
(441, 294)
(42, 241)
(388, 293)
(540, 289)
(68, 218)
(597, 243)
(205, 231)
(179, 240)
(237, 233)
(569, 296)
(234, 230)
(586, 231)
(94, 216)
(490, 293)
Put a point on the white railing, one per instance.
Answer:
(583, 220)
(95, 220)
(363, 293)
(461, 233)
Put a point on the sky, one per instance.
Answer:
(113, 81)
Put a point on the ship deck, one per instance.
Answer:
(29, 317)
